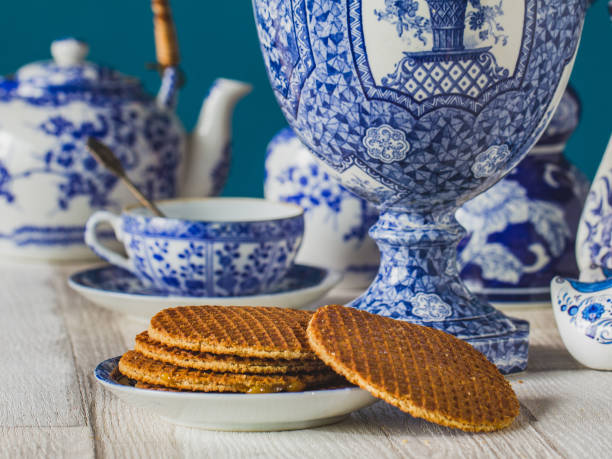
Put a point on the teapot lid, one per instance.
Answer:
(69, 76)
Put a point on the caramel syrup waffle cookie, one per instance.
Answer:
(425, 372)
(222, 363)
(270, 333)
(155, 373)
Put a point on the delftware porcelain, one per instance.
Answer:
(418, 106)
(336, 221)
(49, 184)
(594, 239)
(205, 247)
(239, 412)
(583, 309)
(521, 232)
(583, 312)
(120, 291)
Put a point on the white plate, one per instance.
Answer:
(240, 412)
(120, 291)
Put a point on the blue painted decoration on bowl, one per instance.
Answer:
(521, 232)
(419, 106)
(213, 247)
(50, 184)
(583, 311)
(336, 221)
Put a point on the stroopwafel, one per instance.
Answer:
(272, 333)
(222, 363)
(155, 373)
(425, 372)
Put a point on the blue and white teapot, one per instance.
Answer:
(49, 184)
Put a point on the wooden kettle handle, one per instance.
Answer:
(166, 43)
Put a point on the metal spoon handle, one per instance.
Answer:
(142, 198)
(105, 156)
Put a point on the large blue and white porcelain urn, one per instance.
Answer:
(420, 105)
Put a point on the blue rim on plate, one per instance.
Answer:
(116, 280)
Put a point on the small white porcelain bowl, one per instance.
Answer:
(583, 312)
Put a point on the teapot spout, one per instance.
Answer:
(208, 149)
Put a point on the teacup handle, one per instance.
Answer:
(91, 239)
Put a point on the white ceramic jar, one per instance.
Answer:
(336, 221)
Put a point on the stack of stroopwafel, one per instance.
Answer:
(227, 349)
(425, 372)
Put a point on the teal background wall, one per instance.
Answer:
(218, 38)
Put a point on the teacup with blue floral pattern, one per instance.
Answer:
(205, 247)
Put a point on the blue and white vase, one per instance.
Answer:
(418, 121)
(336, 221)
(521, 232)
(583, 309)
(594, 239)
(50, 184)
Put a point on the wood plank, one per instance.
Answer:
(570, 403)
(379, 431)
(38, 385)
(119, 430)
(418, 438)
(350, 438)
(56, 442)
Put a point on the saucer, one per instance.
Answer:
(240, 412)
(120, 291)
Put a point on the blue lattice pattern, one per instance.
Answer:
(448, 20)
(427, 75)
(447, 13)
(285, 47)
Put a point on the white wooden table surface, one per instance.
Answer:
(51, 406)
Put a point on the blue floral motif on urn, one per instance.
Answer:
(386, 144)
(470, 106)
(430, 307)
(489, 161)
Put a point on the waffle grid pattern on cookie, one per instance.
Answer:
(156, 373)
(422, 371)
(242, 331)
(222, 363)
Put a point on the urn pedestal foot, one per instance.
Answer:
(418, 281)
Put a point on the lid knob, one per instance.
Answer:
(69, 51)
